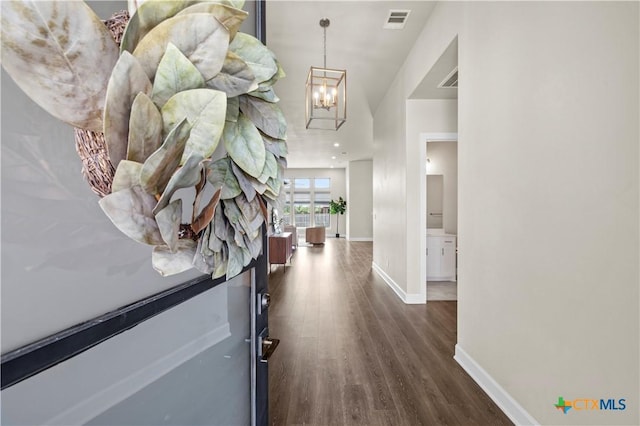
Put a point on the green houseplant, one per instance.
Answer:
(338, 208)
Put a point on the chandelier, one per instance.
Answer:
(326, 94)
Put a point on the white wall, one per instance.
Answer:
(338, 189)
(444, 162)
(360, 196)
(548, 296)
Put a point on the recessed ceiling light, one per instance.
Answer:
(336, 144)
(333, 158)
(332, 167)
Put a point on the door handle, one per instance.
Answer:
(264, 300)
(268, 346)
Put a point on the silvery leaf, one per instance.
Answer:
(267, 95)
(245, 185)
(259, 59)
(148, 14)
(254, 246)
(244, 145)
(145, 129)
(266, 116)
(169, 263)
(203, 248)
(221, 176)
(270, 168)
(201, 262)
(187, 176)
(175, 74)
(236, 260)
(61, 55)
(249, 209)
(266, 85)
(127, 80)
(220, 225)
(127, 175)
(199, 36)
(168, 220)
(161, 165)
(205, 109)
(235, 78)
(205, 217)
(277, 147)
(220, 259)
(233, 109)
(214, 243)
(130, 210)
(265, 210)
(229, 16)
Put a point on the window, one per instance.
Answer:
(307, 202)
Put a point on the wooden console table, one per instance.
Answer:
(280, 248)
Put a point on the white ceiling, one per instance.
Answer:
(356, 42)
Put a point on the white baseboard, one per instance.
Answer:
(516, 413)
(359, 239)
(408, 298)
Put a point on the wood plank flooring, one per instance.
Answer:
(352, 353)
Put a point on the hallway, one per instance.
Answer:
(352, 353)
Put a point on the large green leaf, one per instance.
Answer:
(221, 176)
(220, 260)
(249, 209)
(145, 129)
(266, 116)
(268, 84)
(168, 220)
(187, 176)
(127, 175)
(203, 263)
(131, 210)
(206, 215)
(244, 145)
(270, 168)
(267, 95)
(169, 263)
(149, 14)
(259, 59)
(228, 16)
(175, 74)
(199, 36)
(248, 190)
(61, 55)
(233, 109)
(236, 260)
(235, 78)
(277, 147)
(161, 165)
(206, 110)
(127, 80)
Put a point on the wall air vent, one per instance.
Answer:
(450, 81)
(396, 19)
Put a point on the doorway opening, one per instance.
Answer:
(441, 218)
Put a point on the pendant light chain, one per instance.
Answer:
(325, 46)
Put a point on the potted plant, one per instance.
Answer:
(338, 207)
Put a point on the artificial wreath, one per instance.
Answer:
(187, 112)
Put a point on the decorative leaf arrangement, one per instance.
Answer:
(188, 112)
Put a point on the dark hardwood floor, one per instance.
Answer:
(352, 353)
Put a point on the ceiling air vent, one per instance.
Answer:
(396, 19)
(450, 81)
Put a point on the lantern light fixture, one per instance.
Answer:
(326, 93)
